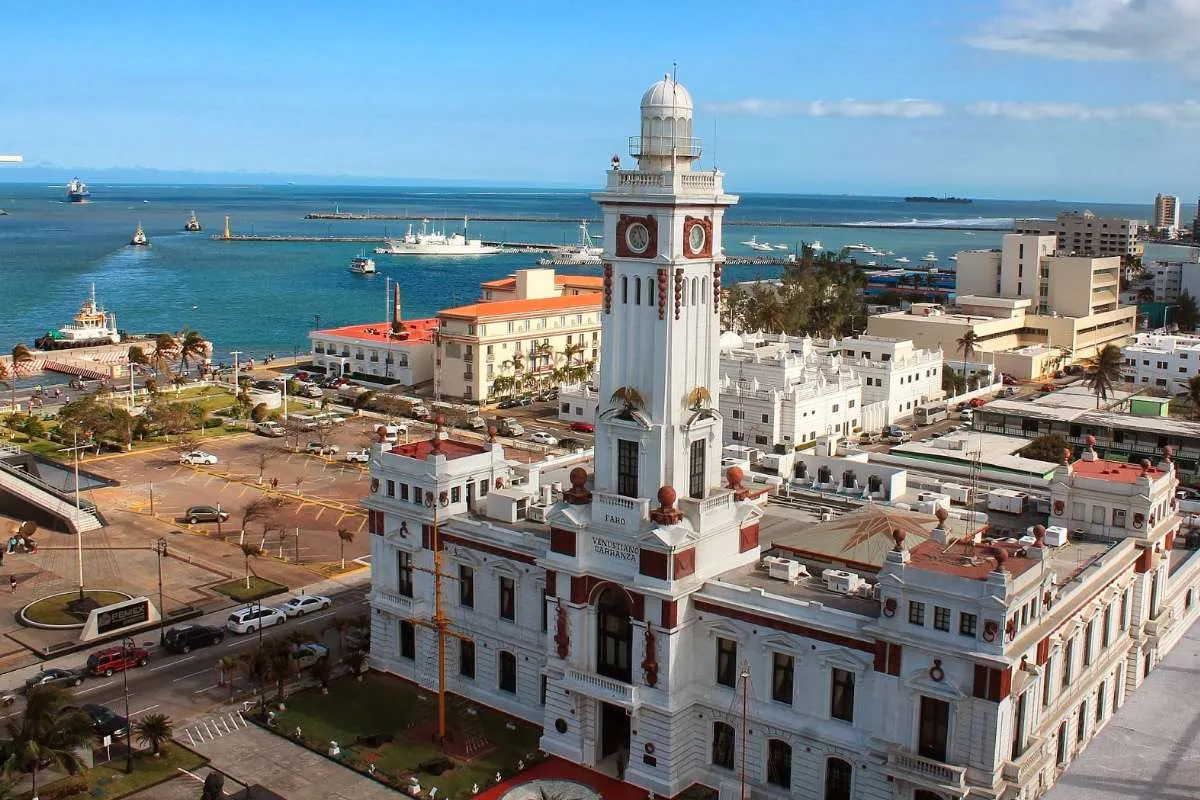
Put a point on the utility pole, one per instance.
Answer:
(236, 385)
(160, 547)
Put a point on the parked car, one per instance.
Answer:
(272, 429)
(251, 618)
(301, 604)
(185, 638)
(869, 438)
(541, 437)
(357, 456)
(55, 676)
(321, 449)
(976, 402)
(514, 403)
(105, 721)
(1008, 380)
(266, 386)
(115, 659)
(307, 654)
(198, 457)
(966, 415)
(205, 514)
(510, 427)
(311, 390)
(582, 427)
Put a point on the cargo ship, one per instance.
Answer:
(77, 191)
(962, 201)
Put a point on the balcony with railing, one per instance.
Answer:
(592, 684)
(632, 181)
(681, 146)
(1028, 763)
(394, 602)
(926, 772)
(618, 505)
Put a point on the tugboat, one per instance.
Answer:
(193, 224)
(139, 237)
(92, 326)
(77, 191)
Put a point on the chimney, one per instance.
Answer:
(396, 315)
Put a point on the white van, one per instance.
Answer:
(391, 432)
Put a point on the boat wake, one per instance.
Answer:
(972, 222)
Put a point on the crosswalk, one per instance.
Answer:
(214, 727)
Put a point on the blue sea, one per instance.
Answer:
(264, 297)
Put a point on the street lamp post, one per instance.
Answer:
(262, 672)
(161, 548)
(236, 385)
(126, 645)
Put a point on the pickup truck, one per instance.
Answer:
(319, 449)
(358, 456)
(509, 427)
(272, 429)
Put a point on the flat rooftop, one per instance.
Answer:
(1115, 471)
(450, 448)
(1147, 748)
(965, 559)
(994, 450)
(419, 331)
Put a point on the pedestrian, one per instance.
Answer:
(274, 483)
(12, 583)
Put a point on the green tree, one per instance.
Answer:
(952, 382)
(192, 349)
(260, 412)
(1045, 448)
(1186, 314)
(1193, 392)
(153, 729)
(1103, 372)
(345, 537)
(137, 355)
(967, 346)
(48, 732)
(249, 551)
(163, 355)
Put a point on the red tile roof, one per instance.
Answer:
(966, 560)
(451, 449)
(522, 308)
(578, 281)
(1116, 471)
(420, 331)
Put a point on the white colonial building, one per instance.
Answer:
(634, 616)
(894, 373)
(1164, 361)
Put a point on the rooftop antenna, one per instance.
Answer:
(674, 118)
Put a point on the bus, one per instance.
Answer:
(929, 413)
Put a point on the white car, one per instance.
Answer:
(318, 449)
(359, 456)
(541, 437)
(251, 618)
(301, 604)
(198, 457)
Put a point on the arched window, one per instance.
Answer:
(722, 745)
(649, 292)
(779, 763)
(624, 288)
(704, 291)
(637, 291)
(614, 632)
(837, 779)
(695, 291)
(507, 679)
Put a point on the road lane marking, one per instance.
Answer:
(191, 675)
(173, 663)
(98, 686)
(144, 710)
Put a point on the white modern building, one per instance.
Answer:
(1166, 215)
(1162, 361)
(633, 615)
(894, 373)
(1170, 279)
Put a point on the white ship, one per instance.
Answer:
(92, 326)
(435, 243)
(139, 237)
(583, 254)
(930, 257)
(902, 260)
(816, 246)
(754, 244)
(361, 265)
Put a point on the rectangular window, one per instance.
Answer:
(1100, 702)
(404, 574)
(781, 678)
(726, 662)
(1106, 627)
(391, 488)
(696, 470)
(916, 612)
(941, 618)
(1046, 682)
(1082, 731)
(508, 599)
(466, 586)
(627, 468)
(508, 672)
(545, 688)
(1018, 738)
(416, 495)
(455, 494)
(408, 640)
(966, 624)
(404, 491)
(1087, 643)
(1124, 620)
(466, 658)
(766, 417)
(1098, 515)
(1068, 657)
(841, 697)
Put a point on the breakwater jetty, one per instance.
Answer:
(508, 247)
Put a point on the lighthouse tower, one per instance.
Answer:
(657, 517)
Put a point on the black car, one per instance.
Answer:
(105, 721)
(185, 638)
(509, 404)
(56, 677)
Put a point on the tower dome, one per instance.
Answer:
(668, 95)
(666, 141)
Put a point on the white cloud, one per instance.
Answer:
(1097, 30)
(1166, 113)
(907, 108)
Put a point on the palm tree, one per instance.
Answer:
(250, 551)
(345, 536)
(503, 385)
(48, 731)
(192, 347)
(280, 664)
(165, 348)
(22, 363)
(1193, 391)
(1103, 371)
(1186, 312)
(138, 356)
(574, 349)
(966, 345)
(153, 729)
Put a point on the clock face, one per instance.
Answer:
(637, 237)
(696, 238)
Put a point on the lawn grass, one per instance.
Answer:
(54, 611)
(110, 781)
(384, 705)
(259, 588)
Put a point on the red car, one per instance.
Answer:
(1048, 387)
(583, 427)
(976, 402)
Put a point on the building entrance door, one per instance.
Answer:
(614, 730)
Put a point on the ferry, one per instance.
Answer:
(77, 191)
(92, 326)
(193, 224)
(139, 237)
(435, 243)
(586, 253)
(361, 265)
(754, 244)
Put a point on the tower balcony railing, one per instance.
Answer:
(633, 181)
(683, 146)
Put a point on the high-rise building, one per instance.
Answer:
(1085, 234)
(1166, 214)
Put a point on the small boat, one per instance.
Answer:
(856, 246)
(816, 246)
(583, 254)
(902, 260)
(781, 247)
(77, 191)
(954, 258)
(930, 258)
(139, 237)
(193, 224)
(361, 265)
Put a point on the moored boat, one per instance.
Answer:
(582, 254)
(92, 326)
(361, 265)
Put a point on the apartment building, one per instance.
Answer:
(894, 373)
(375, 353)
(1085, 234)
(1163, 361)
(545, 327)
(1169, 279)
(1166, 215)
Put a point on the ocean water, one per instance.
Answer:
(262, 297)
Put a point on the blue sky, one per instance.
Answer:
(1079, 99)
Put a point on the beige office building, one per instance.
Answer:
(1166, 214)
(1085, 234)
